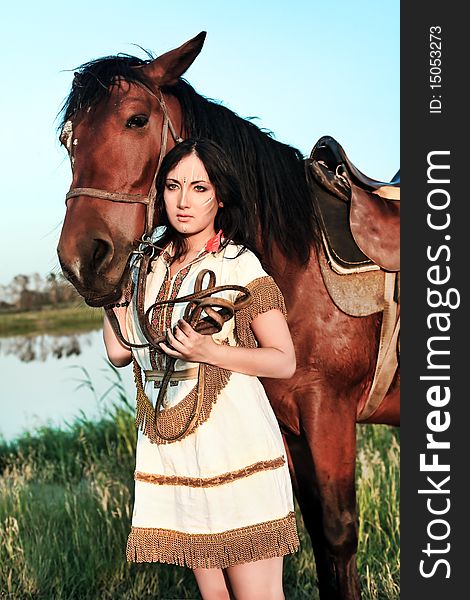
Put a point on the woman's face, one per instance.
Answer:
(190, 200)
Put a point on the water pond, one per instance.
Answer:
(52, 379)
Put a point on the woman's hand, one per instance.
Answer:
(274, 357)
(187, 344)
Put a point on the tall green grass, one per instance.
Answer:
(65, 510)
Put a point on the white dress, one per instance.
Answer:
(220, 495)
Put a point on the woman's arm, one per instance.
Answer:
(275, 356)
(119, 355)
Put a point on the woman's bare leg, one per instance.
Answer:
(213, 584)
(258, 580)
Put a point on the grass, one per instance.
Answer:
(65, 510)
(69, 319)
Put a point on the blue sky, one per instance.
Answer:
(306, 69)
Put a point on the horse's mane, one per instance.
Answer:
(94, 80)
(271, 173)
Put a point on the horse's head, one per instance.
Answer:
(113, 122)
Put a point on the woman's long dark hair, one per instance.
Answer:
(234, 218)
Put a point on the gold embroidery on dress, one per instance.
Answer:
(173, 419)
(162, 315)
(262, 465)
(266, 296)
(217, 550)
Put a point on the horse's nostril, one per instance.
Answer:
(102, 255)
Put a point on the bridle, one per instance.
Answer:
(149, 199)
(198, 301)
(146, 249)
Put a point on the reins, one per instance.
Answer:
(218, 310)
(200, 300)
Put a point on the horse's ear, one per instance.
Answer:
(167, 68)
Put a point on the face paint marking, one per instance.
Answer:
(190, 199)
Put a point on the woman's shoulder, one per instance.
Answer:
(239, 253)
(231, 249)
(243, 261)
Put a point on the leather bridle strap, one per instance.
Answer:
(113, 196)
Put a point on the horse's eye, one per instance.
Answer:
(137, 121)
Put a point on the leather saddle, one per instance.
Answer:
(359, 216)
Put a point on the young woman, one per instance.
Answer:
(217, 497)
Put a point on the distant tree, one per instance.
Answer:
(67, 292)
(52, 288)
(38, 282)
(6, 300)
(18, 286)
(28, 292)
(31, 299)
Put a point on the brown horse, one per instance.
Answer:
(113, 122)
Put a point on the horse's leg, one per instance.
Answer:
(323, 458)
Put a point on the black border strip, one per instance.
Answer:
(434, 568)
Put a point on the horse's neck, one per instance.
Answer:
(284, 270)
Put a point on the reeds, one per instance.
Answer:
(65, 502)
